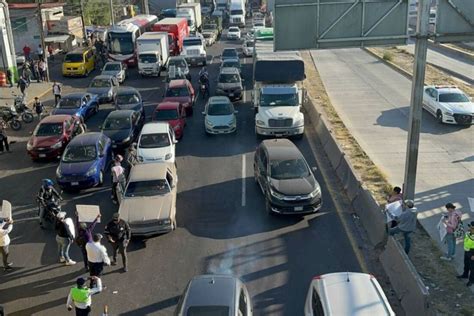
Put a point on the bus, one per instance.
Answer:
(122, 37)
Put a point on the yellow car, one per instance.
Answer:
(79, 62)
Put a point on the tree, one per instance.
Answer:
(96, 12)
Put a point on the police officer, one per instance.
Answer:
(468, 272)
(118, 233)
(80, 295)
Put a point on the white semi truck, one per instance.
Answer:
(153, 53)
(278, 93)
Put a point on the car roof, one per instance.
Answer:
(113, 62)
(360, 291)
(167, 105)
(192, 37)
(176, 57)
(155, 127)
(212, 289)
(234, 27)
(149, 171)
(229, 49)
(120, 113)
(229, 70)
(281, 148)
(86, 139)
(233, 59)
(177, 83)
(126, 90)
(219, 99)
(103, 77)
(74, 95)
(446, 89)
(58, 118)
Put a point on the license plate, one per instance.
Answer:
(74, 183)
(42, 155)
(231, 95)
(298, 208)
(114, 146)
(193, 60)
(278, 135)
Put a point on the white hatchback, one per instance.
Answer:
(156, 143)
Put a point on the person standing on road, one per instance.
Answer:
(97, 256)
(118, 233)
(118, 175)
(64, 238)
(406, 223)
(84, 236)
(6, 226)
(468, 271)
(4, 137)
(22, 84)
(452, 220)
(26, 51)
(10, 78)
(40, 52)
(39, 108)
(56, 92)
(36, 71)
(81, 295)
(43, 66)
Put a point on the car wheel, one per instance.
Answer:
(439, 117)
(101, 178)
(268, 208)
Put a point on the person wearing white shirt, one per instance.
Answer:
(97, 256)
(81, 295)
(6, 227)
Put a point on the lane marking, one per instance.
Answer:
(244, 184)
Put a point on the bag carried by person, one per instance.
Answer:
(459, 231)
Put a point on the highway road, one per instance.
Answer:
(222, 225)
(373, 101)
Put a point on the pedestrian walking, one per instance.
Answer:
(4, 137)
(80, 296)
(406, 223)
(64, 238)
(118, 233)
(56, 92)
(22, 84)
(40, 52)
(84, 236)
(43, 66)
(118, 175)
(50, 52)
(451, 220)
(27, 73)
(26, 51)
(10, 78)
(39, 108)
(468, 271)
(96, 256)
(6, 226)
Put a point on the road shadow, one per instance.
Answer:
(466, 159)
(153, 308)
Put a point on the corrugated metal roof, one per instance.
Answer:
(23, 6)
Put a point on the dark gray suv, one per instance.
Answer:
(285, 178)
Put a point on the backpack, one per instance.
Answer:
(459, 230)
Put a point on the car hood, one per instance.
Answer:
(461, 107)
(44, 141)
(139, 209)
(72, 111)
(181, 100)
(99, 90)
(157, 154)
(275, 112)
(117, 135)
(220, 120)
(299, 186)
(110, 72)
(221, 85)
(75, 168)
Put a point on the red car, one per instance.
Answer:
(51, 136)
(173, 113)
(181, 91)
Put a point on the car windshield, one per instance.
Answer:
(289, 169)
(147, 188)
(49, 129)
(178, 63)
(236, 12)
(220, 109)
(166, 115)
(211, 310)
(112, 67)
(228, 78)
(453, 97)
(290, 99)
(209, 26)
(192, 42)
(177, 92)
(206, 35)
(69, 103)
(116, 123)
(229, 53)
(73, 58)
(231, 63)
(100, 83)
(234, 29)
(128, 98)
(147, 58)
(154, 140)
(249, 44)
(79, 153)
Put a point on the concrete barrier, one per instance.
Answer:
(333, 152)
(405, 280)
(349, 178)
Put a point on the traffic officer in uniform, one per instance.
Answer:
(80, 295)
(468, 272)
(118, 233)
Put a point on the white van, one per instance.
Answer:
(346, 293)
(237, 13)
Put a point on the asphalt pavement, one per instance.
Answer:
(222, 223)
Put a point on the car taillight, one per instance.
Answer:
(318, 277)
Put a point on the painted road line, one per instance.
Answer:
(244, 179)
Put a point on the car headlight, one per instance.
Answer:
(91, 171)
(165, 222)
(168, 156)
(203, 54)
(231, 122)
(209, 123)
(29, 146)
(57, 145)
(448, 113)
(126, 140)
(81, 67)
(58, 173)
(299, 122)
(316, 192)
(260, 123)
(276, 194)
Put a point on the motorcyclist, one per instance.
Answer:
(47, 194)
(204, 80)
(203, 72)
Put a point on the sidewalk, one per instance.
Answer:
(34, 90)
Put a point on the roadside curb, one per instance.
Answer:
(401, 71)
(450, 49)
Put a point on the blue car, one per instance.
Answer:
(81, 104)
(84, 162)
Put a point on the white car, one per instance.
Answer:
(156, 143)
(248, 47)
(448, 104)
(233, 33)
(116, 69)
(219, 116)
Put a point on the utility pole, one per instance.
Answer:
(112, 17)
(421, 46)
(43, 44)
(146, 8)
(84, 33)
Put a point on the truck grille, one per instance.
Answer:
(463, 118)
(193, 52)
(286, 122)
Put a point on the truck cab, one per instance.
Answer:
(188, 14)
(194, 50)
(153, 53)
(237, 13)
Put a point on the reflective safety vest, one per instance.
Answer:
(469, 242)
(80, 295)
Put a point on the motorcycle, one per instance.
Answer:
(204, 86)
(51, 209)
(10, 116)
(25, 113)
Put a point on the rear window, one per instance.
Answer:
(49, 129)
(177, 92)
(229, 53)
(166, 115)
(208, 311)
(147, 188)
(154, 140)
(73, 58)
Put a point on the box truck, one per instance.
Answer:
(177, 29)
(153, 53)
(192, 12)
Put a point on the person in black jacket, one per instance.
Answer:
(118, 233)
(64, 238)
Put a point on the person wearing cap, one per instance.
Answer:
(6, 227)
(84, 235)
(118, 233)
(468, 271)
(64, 239)
(81, 296)
(96, 256)
(118, 175)
(451, 220)
(406, 223)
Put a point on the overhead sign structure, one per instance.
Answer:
(454, 21)
(313, 24)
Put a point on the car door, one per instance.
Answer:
(181, 115)
(172, 181)
(427, 99)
